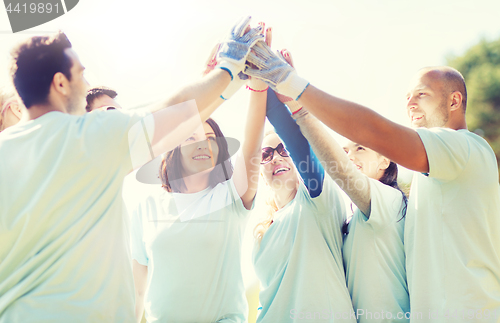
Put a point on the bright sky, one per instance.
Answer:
(365, 51)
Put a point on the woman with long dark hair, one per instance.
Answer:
(186, 243)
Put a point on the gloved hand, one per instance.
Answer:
(234, 49)
(275, 71)
(235, 84)
(255, 84)
(292, 105)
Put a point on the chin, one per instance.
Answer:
(285, 181)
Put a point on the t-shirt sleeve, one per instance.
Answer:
(121, 136)
(236, 201)
(447, 151)
(386, 204)
(332, 201)
(137, 246)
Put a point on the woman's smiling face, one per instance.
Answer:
(280, 170)
(366, 160)
(199, 152)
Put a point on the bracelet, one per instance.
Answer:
(249, 88)
(295, 112)
(299, 114)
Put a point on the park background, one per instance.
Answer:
(364, 51)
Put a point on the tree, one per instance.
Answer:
(480, 66)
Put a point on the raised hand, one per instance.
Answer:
(255, 84)
(234, 50)
(211, 62)
(275, 71)
(293, 105)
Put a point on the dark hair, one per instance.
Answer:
(97, 92)
(389, 178)
(35, 62)
(172, 162)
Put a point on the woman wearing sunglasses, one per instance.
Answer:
(373, 249)
(298, 253)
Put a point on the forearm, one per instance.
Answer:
(335, 161)
(366, 127)
(251, 149)
(176, 118)
(296, 144)
(205, 92)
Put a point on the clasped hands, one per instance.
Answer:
(246, 52)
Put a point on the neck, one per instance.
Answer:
(196, 183)
(283, 195)
(39, 110)
(456, 121)
(460, 125)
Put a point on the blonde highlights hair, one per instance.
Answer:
(262, 227)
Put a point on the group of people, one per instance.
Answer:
(67, 253)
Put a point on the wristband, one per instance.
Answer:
(264, 90)
(295, 112)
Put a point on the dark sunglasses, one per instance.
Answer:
(268, 153)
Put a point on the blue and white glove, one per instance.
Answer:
(275, 71)
(234, 49)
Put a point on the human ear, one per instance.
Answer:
(16, 109)
(60, 83)
(456, 100)
(384, 164)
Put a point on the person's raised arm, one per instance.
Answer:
(247, 166)
(366, 127)
(177, 117)
(360, 124)
(296, 144)
(338, 166)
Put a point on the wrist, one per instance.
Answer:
(231, 67)
(293, 106)
(257, 90)
(232, 88)
(300, 114)
(293, 86)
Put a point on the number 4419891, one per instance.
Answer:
(33, 8)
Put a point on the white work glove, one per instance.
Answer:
(275, 71)
(234, 49)
(234, 86)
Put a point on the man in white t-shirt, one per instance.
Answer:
(452, 230)
(64, 253)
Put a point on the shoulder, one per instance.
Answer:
(385, 195)
(450, 136)
(445, 135)
(113, 117)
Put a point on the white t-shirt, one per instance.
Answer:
(191, 244)
(452, 231)
(374, 258)
(64, 255)
(299, 261)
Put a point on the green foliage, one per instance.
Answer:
(480, 66)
